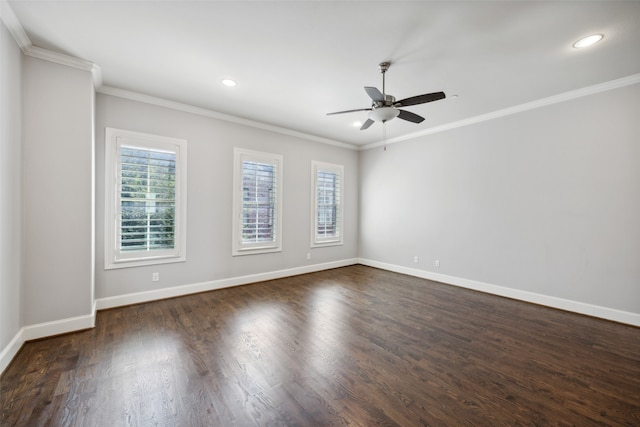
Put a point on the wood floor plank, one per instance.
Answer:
(350, 346)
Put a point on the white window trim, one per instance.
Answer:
(238, 247)
(334, 240)
(113, 257)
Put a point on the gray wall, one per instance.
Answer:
(210, 172)
(58, 107)
(545, 201)
(10, 186)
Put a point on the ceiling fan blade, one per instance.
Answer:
(349, 111)
(420, 99)
(374, 93)
(366, 124)
(410, 117)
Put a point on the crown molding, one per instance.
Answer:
(13, 25)
(15, 28)
(555, 99)
(69, 61)
(161, 102)
(22, 39)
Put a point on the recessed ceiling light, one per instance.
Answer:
(588, 41)
(357, 124)
(229, 82)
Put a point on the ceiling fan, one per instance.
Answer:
(385, 107)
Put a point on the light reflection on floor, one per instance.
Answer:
(328, 322)
(257, 334)
(143, 374)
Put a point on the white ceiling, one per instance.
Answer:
(295, 61)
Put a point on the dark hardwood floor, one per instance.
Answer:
(350, 346)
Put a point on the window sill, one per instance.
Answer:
(141, 262)
(327, 243)
(255, 251)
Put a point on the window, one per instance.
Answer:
(257, 216)
(327, 204)
(145, 207)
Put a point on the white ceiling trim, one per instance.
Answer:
(135, 96)
(13, 25)
(17, 31)
(67, 60)
(555, 99)
(22, 39)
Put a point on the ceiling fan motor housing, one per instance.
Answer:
(387, 102)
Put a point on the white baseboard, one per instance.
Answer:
(63, 326)
(57, 327)
(43, 330)
(78, 323)
(541, 299)
(10, 351)
(140, 297)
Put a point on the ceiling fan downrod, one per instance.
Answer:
(383, 67)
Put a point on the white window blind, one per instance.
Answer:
(145, 207)
(328, 196)
(257, 217)
(259, 189)
(327, 208)
(147, 199)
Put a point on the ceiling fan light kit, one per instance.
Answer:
(383, 114)
(385, 107)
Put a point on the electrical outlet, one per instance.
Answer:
(416, 259)
(437, 263)
(155, 277)
(308, 256)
